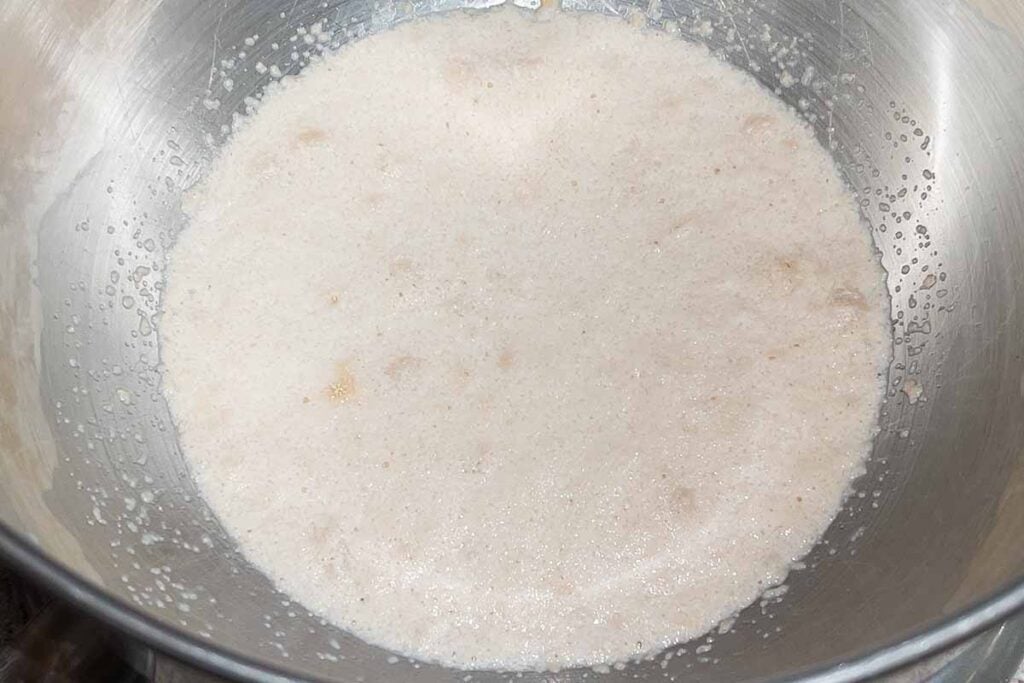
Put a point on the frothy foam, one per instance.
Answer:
(524, 342)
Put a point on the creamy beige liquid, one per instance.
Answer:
(524, 342)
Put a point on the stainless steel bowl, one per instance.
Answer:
(109, 109)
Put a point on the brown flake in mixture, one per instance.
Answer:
(506, 359)
(400, 265)
(781, 273)
(309, 136)
(344, 386)
(684, 223)
(758, 124)
(461, 376)
(848, 297)
(374, 199)
(459, 72)
(671, 101)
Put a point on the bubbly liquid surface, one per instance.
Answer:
(524, 342)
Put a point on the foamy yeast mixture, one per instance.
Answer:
(524, 342)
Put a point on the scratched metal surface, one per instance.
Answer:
(109, 110)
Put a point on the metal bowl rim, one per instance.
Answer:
(27, 557)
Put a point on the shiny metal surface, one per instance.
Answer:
(109, 109)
